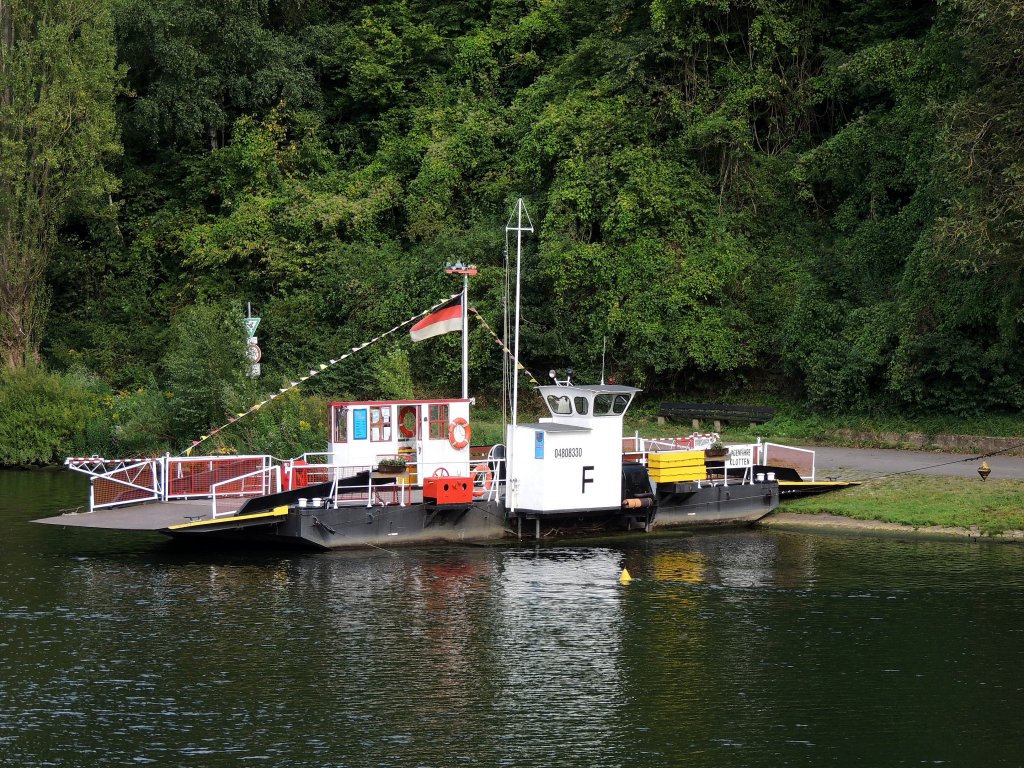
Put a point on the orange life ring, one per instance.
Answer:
(458, 443)
(482, 473)
(407, 430)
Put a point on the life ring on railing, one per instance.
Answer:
(407, 425)
(482, 474)
(459, 425)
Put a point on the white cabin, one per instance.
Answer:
(431, 435)
(572, 460)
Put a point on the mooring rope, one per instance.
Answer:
(943, 464)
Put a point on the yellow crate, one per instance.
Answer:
(681, 475)
(666, 459)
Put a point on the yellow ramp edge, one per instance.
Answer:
(275, 512)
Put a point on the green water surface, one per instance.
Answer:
(736, 648)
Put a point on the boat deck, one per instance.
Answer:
(154, 516)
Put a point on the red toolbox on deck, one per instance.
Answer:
(448, 490)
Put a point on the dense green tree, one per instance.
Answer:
(810, 200)
(57, 130)
(204, 368)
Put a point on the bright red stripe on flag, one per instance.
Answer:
(445, 320)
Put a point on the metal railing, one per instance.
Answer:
(800, 459)
(116, 482)
(120, 482)
(194, 477)
(250, 485)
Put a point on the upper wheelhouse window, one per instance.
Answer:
(380, 423)
(607, 404)
(439, 421)
(340, 427)
(582, 405)
(559, 405)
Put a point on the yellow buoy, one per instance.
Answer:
(624, 577)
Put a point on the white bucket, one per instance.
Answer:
(771, 477)
(303, 502)
(316, 501)
(760, 477)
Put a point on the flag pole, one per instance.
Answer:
(458, 268)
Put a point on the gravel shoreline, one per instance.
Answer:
(848, 524)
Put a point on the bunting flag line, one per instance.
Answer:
(323, 367)
(519, 366)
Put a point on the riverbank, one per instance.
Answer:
(826, 521)
(910, 503)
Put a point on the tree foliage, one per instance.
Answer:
(735, 198)
(57, 129)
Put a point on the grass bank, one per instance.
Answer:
(990, 508)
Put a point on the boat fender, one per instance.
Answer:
(483, 478)
(459, 433)
(636, 503)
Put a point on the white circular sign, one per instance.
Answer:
(254, 353)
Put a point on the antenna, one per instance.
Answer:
(604, 346)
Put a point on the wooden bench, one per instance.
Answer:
(753, 414)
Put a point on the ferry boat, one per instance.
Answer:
(403, 471)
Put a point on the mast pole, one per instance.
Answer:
(509, 451)
(465, 336)
(459, 268)
(515, 347)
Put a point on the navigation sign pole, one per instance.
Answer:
(253, 351)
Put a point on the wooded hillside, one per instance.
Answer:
(748, 199)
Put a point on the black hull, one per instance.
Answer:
(361, 526)
(259, 523)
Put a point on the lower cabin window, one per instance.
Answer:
(380, 423)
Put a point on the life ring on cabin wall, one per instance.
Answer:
(459, 425)
(407, 420)
(483, 479)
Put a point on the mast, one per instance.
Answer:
(458, 268)
(519, 213)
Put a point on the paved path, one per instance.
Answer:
(860, 463)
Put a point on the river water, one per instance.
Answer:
(743, 648)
